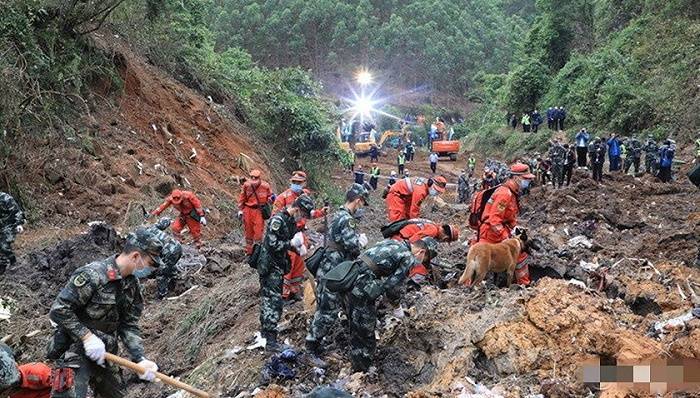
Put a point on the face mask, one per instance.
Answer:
(296, 188)
(524, 184)
(359, 213)
(432, 192)
(144, 272)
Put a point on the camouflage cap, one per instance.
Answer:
(148, 242)
(356, 191)
(305, 204)
(9, 374)
(431, 248)
(163, 223)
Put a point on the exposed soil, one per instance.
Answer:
(638, 236)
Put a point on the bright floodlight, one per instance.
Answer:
(363, 106)
(364, 77)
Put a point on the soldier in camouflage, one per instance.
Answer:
(463, 187)
(383, 268)
(281, 236)
(10, 377)
(344, 243)
(172, 251)
(557, 155)
(101, 303)
(11, 221)
(634, 155)
(651, 150)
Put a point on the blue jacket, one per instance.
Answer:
(536, 118)
(582, 139)
(614, 147)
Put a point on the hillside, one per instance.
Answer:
(107, 106)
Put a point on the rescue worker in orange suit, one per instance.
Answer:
(501, 212)
(31, 380)
(255, 193)
(191, 214)
(423, 228)
(406, 196)
(294, 278)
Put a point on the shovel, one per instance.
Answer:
(164, 378)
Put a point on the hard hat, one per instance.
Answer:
(440, 183)
(522, 170)
(298, 176)
(176, 196)
(256, 173)
(452, 232)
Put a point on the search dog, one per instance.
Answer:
(496, 257)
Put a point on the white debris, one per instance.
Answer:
(194, 154)
(577, 283)
(581, 241)
(674, 323)
(589, 267)
(260, 342)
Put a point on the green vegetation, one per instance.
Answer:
(438, 44)
(627, 67)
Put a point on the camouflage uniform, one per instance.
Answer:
(463, 188)
(343, 245)
(651, 150)
(10, 377)
(557, 154)
(11, 217)
(172, 251)
(98, 299)
(273, 264)
(634, 155)
(392, 260)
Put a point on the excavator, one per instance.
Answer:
(444, 145)
(364, 140)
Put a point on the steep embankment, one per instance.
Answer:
(132, 149)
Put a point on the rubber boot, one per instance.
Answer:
(272, 344)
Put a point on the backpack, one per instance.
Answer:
(395, 227)
(342, 277)
(476, 210)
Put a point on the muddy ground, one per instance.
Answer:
(638, 236)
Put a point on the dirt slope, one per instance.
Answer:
(131, 148)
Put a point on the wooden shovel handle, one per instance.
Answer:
(164, 378)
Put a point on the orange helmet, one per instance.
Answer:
(256, 173)
(176, 196)
(298, 176)
(452, 232)
(440, 183)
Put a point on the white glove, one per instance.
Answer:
(95, 349)
(203, 221)
(302, 250)
(240, 214)
(362, 239)
(151, 369)
(297, 240)
(19, 229)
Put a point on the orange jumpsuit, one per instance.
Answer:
(36, 381)
(295, 276)
(405, 198)
(413, 233)
(498, 219)
(189, 204)
(249, 201)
